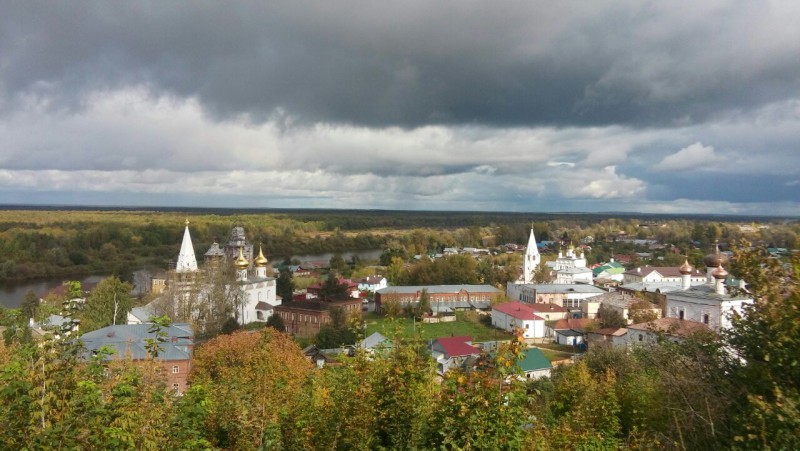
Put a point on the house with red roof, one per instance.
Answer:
(517, 315)
(453, 352)
(550, 312)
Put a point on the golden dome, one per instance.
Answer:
(685, 268)
(720, 273)
(715, 259)
(241, 262)
(260, 261)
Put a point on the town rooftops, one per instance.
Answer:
(315, 304)
(563, 288)
(457, 346)
(533, 359)
(546, 308)
(611, 331)
(144, 313)
(616, 299)
(574, 323)
(610, 267)
(372, 280)
(574, 270)
(518, 310)
(671, 326)
(374, 340)
(653, 287)
(263, 306)
(438, 289)
(569, 332)
(708, 292)
(128, 340)
(215, 251)
(664, 271)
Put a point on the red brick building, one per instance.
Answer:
(443, 297)
(305, 318)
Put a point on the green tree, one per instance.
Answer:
(396, 272)
(423, 306)
(766, 339)
(333, 288)
(337, 332)
(30, 305)
(109, 303)
(609, 317)
(285, 284)
(276, 322)
(338, 265)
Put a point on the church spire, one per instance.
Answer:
(532, 259)
(186, 259)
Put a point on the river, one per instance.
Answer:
(12, 293)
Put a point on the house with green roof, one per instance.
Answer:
(611, 270)
(534, 364)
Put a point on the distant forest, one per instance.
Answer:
(51, 242)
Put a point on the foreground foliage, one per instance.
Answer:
(255, 390)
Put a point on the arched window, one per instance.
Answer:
(681, 314)
(705, 318)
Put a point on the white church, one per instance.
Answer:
(257, 289)
(712, 303)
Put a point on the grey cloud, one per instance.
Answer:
(412, 63)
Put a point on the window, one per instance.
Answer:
(175, 369)
(175, 387)
(641, 337)
(705, 318)
(680, 314)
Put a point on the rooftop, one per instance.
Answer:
(129, 341)
(533, 359)
(671, 326)
(518, 310)
(664, 271)
(564, 288)
(457, 346)
(436, 289)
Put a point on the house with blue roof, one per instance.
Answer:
(128, 341)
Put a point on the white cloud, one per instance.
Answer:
(695, 156)
(603, 184)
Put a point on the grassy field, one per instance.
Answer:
(462, 326)
(555, 355)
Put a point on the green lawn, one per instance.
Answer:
(555, 355)
(557, 347)
(462, 326)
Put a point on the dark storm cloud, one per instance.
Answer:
(410, 63)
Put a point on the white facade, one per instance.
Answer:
(568, 337)
(704, 305)
(665, 275)
(372, 283)
(569, 260)
(569, 296)
(514, 315)
(574, 275)
(256, 291)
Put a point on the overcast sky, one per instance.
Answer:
(673, 107)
